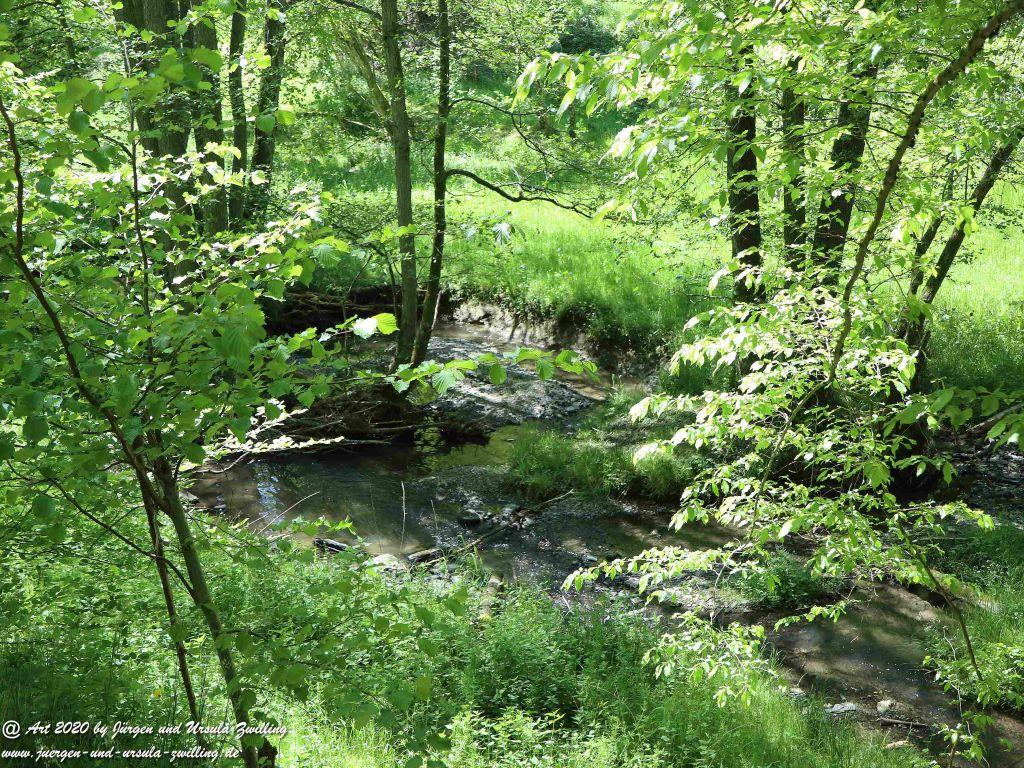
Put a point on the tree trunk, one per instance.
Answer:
(915, 333)
(836, 208)
(264, 141)
(926, 240)
(794, 148)
(403, 178)
(236, 95)
(744, 205)
(209, 128)
(203, 599)
(433, 287)
(164, 124)
(172, 614)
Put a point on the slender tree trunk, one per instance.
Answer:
(172, 614)
(403, 178)
(209, 128)
(264, 142)
(794, 200)
(204, 601)
(926, 240)
(836, 208)
(433, 287)
(236, 95)
(744, 204)
(915, 333)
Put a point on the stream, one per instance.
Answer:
(438, 491)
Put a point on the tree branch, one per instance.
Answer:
(520, 197)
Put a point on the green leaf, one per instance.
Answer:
(498, 374)
(386, 323)
(78, 122)
(444, 380)
(545, 369)
(428, 646)
(265, 123)
(34, 429)
(284, 116)
(43, 507)
(205, 56)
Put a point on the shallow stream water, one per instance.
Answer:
(432, 492)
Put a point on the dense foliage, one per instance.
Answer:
(231, 228)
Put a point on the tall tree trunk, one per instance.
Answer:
(71, 67)
(236, 95)
(204, 602)
(164, 124)
(794, 201)
(836, 208)
(403, 178)
(744, 204)
(264, 141)
(433, 287)
(915, 333)
(209, 128)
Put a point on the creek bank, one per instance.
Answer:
(311, 308)
(433, 493)
(443, 497)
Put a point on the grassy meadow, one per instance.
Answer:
(631, 288)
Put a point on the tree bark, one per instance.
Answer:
(433, 286)
(236, 95)
(836, 208)
(744, 204)
(794, 201)
(400, 143)
(264, 141)
(209, 128)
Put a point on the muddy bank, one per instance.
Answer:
(308, 308)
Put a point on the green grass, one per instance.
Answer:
(536, 686)
(561, 266)
(992, 562)
(599, 459)
(978, 337)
